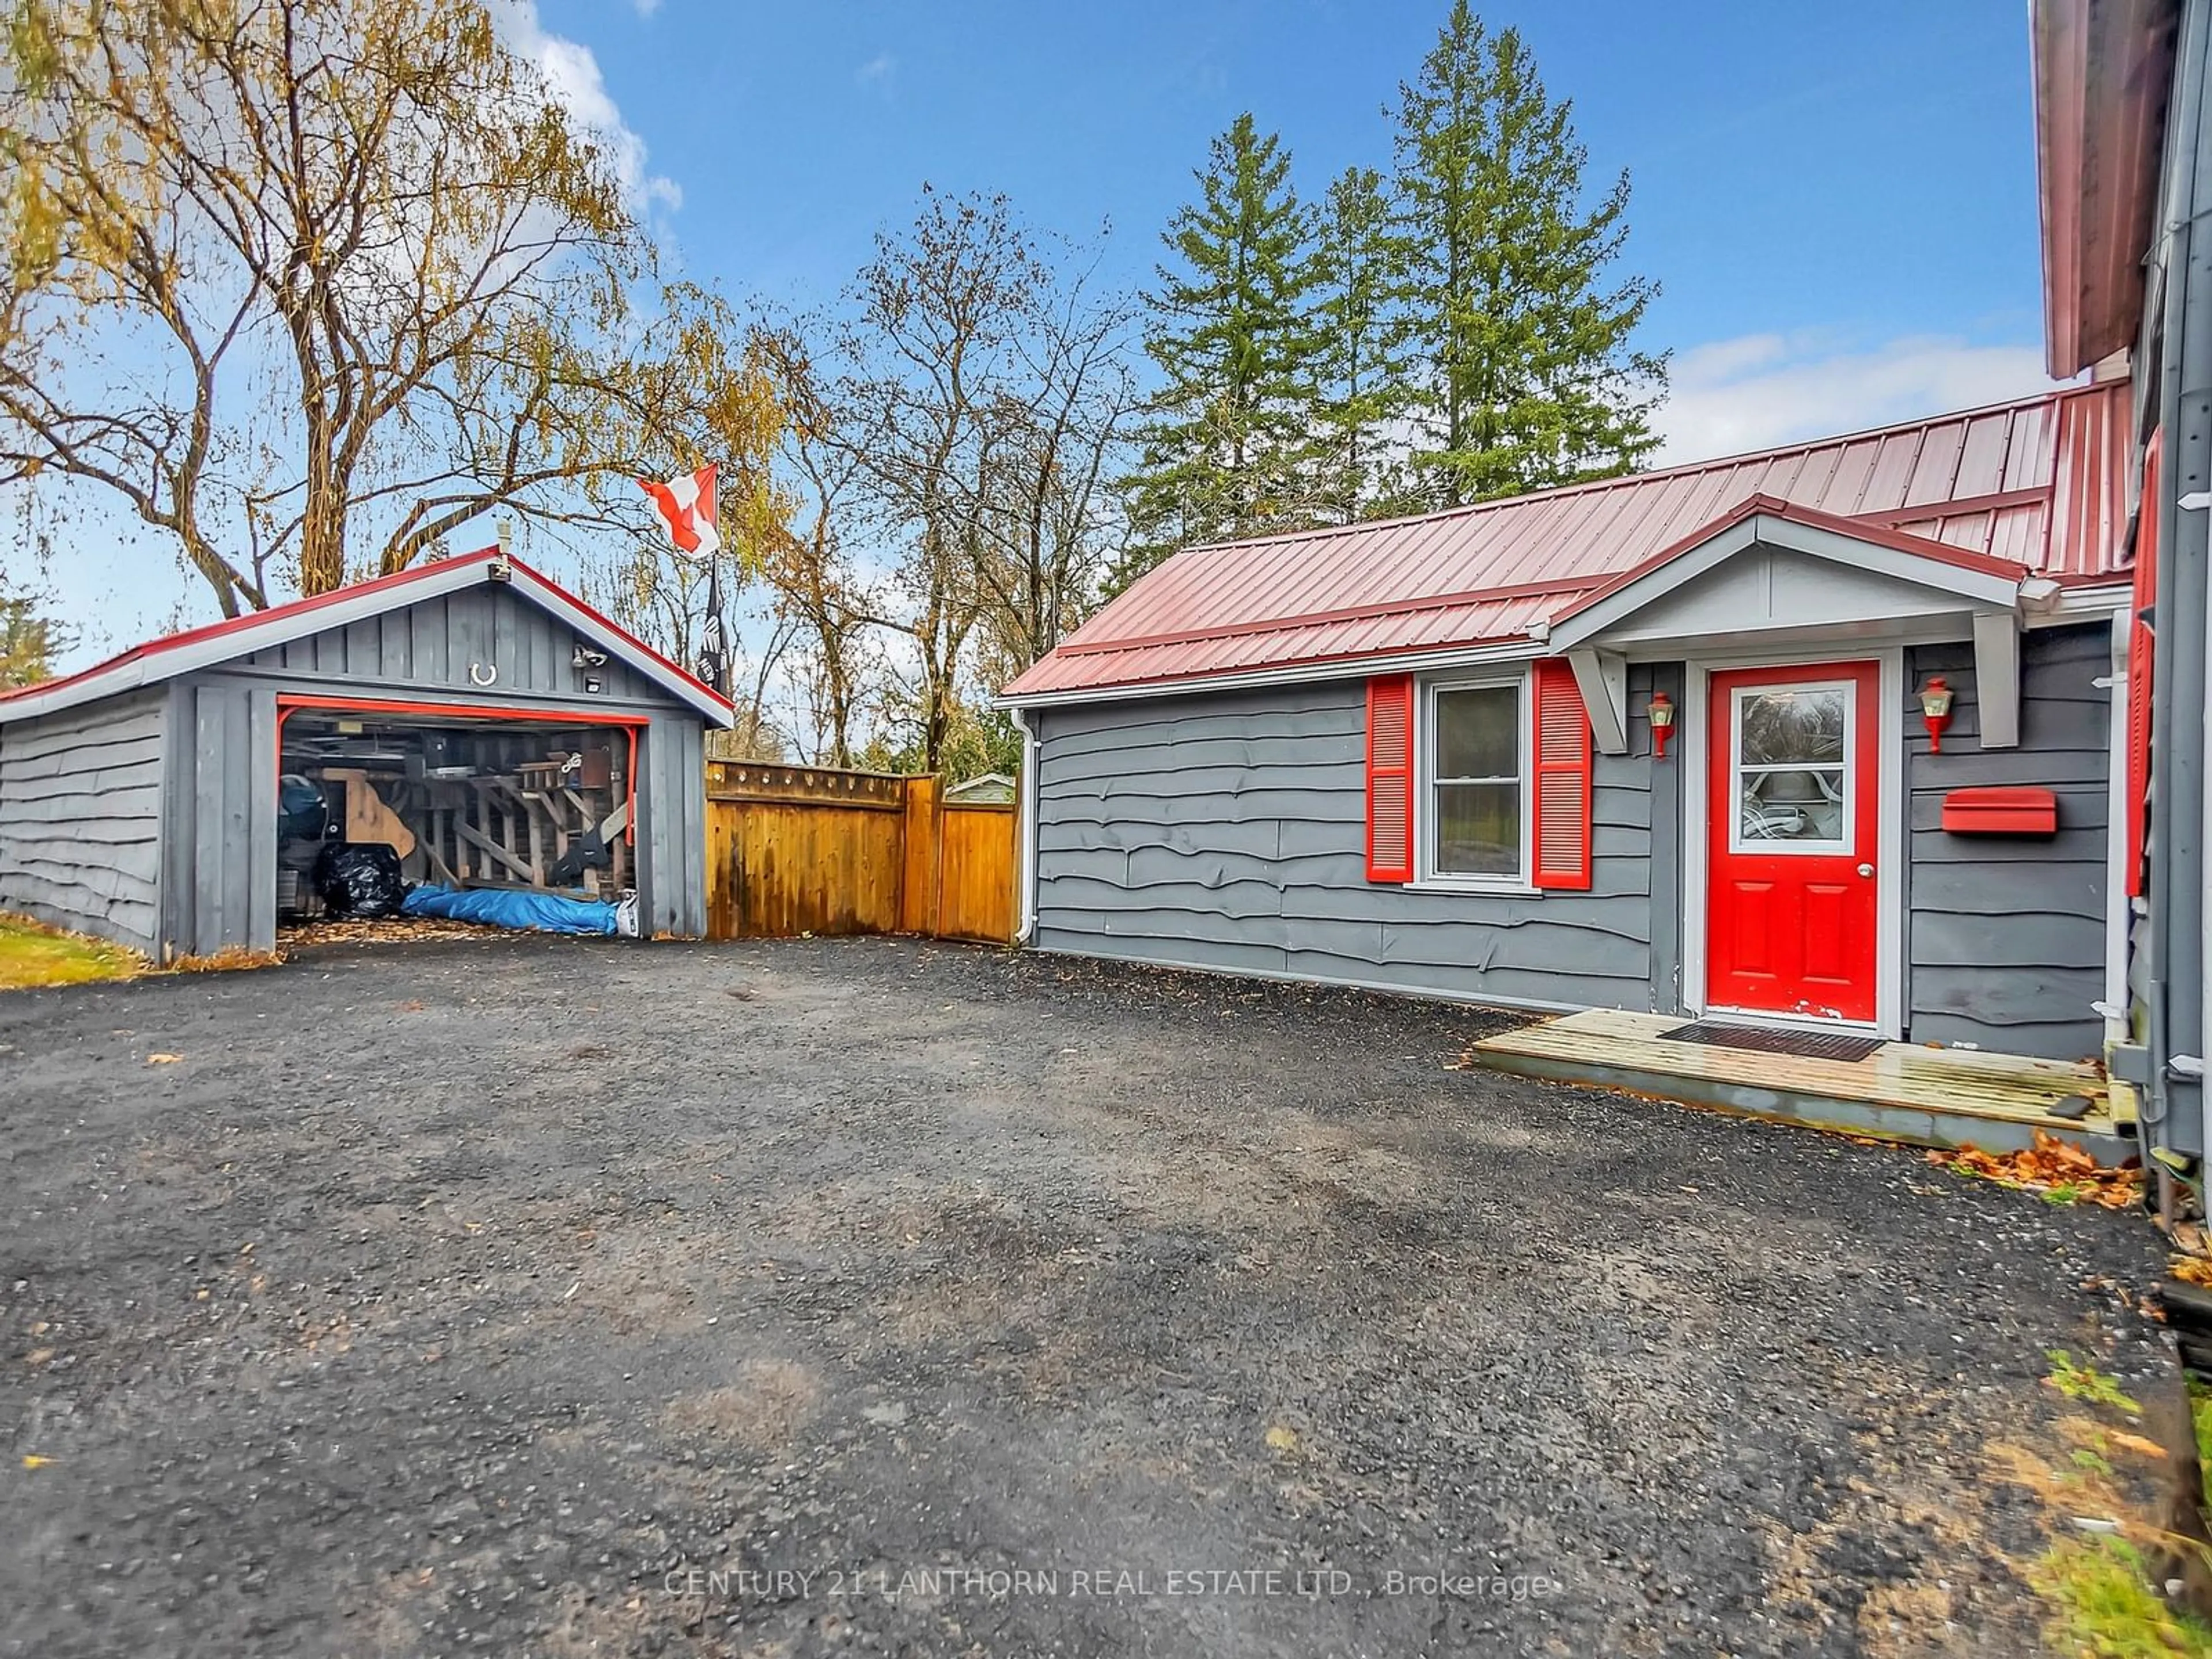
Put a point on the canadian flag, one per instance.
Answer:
(687, 506)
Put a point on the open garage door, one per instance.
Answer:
(465, 799)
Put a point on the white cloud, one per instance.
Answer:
(878, 70)
(574, 74)
(1759, 391)
(645, 8)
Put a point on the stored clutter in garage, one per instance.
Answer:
(488, 726)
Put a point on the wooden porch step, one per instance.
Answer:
(1925, 1096)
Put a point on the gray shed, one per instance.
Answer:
(472, 713)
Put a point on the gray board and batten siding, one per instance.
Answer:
(439, 649)
(1228, 831)
(438, 640)
(80, 817)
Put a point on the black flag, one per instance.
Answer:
(714, 648)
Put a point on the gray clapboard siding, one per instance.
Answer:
(80, 818)
(1228, 832)
(2005, 936)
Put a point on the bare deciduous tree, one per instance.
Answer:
(1053, 525)
(311, 283)
(808, 569)
(928, 350)
(954, 448)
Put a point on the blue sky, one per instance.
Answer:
(1837, 200)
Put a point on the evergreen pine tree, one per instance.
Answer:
(1359, 404)
(28, 643)
(1524, 376)
(1221, 454)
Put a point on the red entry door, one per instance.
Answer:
(1794, 820)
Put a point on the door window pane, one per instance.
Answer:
(1800, 806)
(1793, 769)
(1478, 828)
(1478, 733)
(1780, 726)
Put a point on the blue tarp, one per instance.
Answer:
(542, 913)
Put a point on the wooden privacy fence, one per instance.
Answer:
(808, 849)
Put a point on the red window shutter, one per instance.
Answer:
(1390, 779)
(1562, 768)
(2140, 655)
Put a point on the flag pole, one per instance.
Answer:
(714, 631)
(690, 509)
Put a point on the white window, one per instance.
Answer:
(1474, 760)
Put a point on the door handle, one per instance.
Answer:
(1866, 869)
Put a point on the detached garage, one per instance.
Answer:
(489, 725)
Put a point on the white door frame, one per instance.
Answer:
(1893, 811)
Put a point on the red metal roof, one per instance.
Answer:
(174, 653)
(2038, 485)
(2104, 70)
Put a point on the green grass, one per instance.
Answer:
(2102, 1605)
(2088, 1385)
(2200, 1414)
(33, 955)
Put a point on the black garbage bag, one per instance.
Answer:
(360, 879)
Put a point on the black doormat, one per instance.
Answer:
(1769, 1040)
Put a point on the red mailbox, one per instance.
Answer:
(2001, 811)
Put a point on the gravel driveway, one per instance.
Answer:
(867, 1295)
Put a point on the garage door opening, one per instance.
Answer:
(467, 802)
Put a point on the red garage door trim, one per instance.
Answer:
(461, 711)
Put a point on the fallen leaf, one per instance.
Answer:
(1281, 1439)
(32, 1461)
(163, 1060)
(2192, 1270)
(2049, 1165)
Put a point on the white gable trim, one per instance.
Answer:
(156, 663)
(1912, 593)
(1974, 589)
(717, 710)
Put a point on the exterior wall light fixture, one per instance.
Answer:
(1936, 709)
(1660, 712)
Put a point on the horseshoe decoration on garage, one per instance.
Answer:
(484, 673)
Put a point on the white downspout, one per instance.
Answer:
(2120, 912)
(1026, 829)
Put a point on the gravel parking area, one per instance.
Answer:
(533, 1296)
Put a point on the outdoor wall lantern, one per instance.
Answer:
(1661, 709)
(1936, 709)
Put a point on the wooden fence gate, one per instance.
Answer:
(808, 849)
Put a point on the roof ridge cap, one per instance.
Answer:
(1592, 486)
